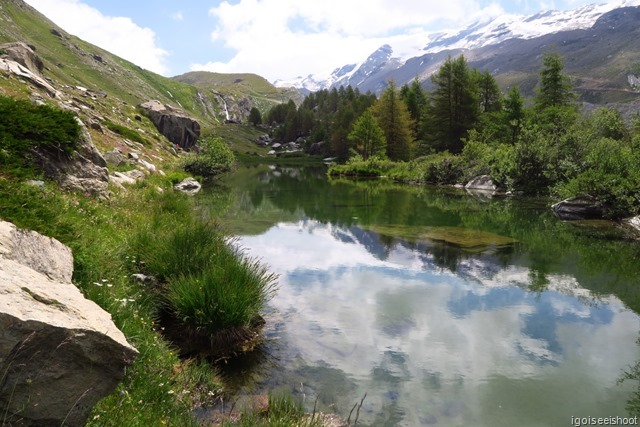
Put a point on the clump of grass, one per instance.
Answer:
(284, 411)
(211, 293)
(228, 293)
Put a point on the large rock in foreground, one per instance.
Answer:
(174, 124)
(59, 352)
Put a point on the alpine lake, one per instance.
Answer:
(430, 306)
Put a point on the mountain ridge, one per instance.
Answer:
(366, 75)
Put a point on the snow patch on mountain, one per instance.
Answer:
(483, 33)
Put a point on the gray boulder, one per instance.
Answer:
(579, 208)
(189, 186)
(115, 157)
(59, 352)
(174, 124)
(634, 223)
(483, 183)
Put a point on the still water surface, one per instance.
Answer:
(444, 308)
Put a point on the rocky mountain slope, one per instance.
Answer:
(599, 42)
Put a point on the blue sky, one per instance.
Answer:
(277, 39)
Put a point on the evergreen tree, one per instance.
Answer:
(555, 89)
(454, 108)
(489, 96)
(394, 119)
(255, 118)
(514, 108)
(367, 136)
(416, 101)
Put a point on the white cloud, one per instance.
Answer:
(118, 35)
(286, 38)
(177, 16)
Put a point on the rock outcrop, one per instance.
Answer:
(20, 60)
(24, 55)
(174, 124)
(59, 352)
(579, 208)
(85, 171)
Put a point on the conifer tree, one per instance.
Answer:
(394, 119)
(454, 108)
(367, 136)
(555, 89)
(255, 118)
(514, 109)
(489, 95)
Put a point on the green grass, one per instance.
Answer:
(284, 411)
(158, 387)
(126, 132)
(229, 293)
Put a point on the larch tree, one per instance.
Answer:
(367, 136)
(394, 119)
(555, 89)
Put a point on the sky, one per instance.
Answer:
(277, 39)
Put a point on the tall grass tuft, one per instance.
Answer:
(228, 293)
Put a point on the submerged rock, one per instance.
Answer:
(465, 238)
(59, 352)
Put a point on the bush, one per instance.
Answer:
(441, 168)
(214, 159)
(25, 127)
(357, 166)
(611, 174)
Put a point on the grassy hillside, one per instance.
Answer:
(263, 95)
(72, 64)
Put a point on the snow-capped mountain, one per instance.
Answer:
(480, 34)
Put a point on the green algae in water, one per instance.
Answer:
(464, 238)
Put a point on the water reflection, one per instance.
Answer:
(433, 333)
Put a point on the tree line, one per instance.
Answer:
(466, 126)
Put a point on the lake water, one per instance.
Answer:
(444, 308)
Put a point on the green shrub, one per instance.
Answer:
(25, 127)
(126, 132)
(611, 174)
(357, 166)
(215, 158)
(441, 168)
